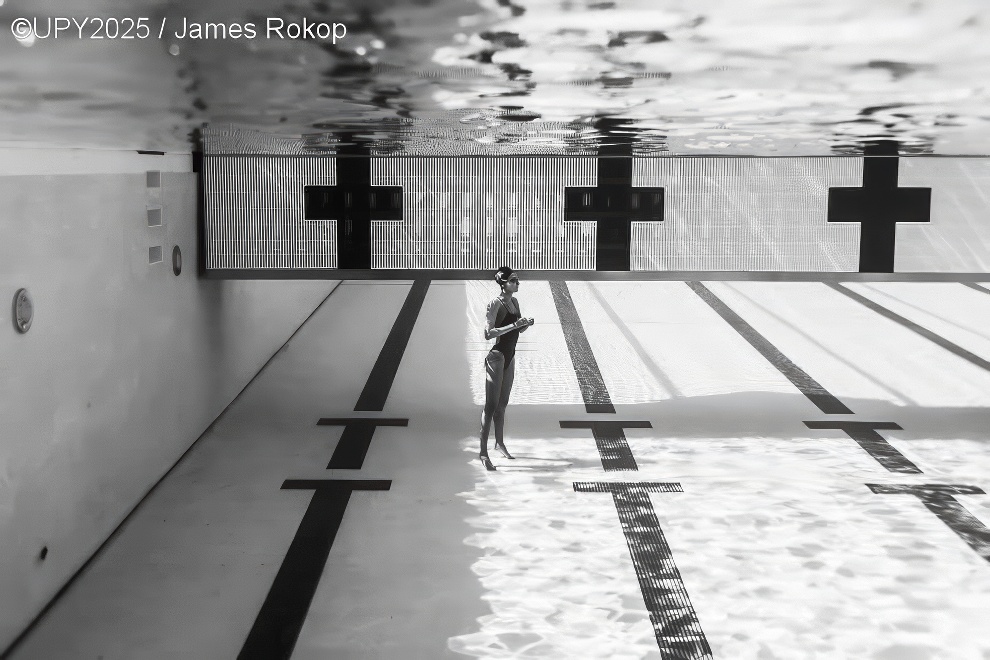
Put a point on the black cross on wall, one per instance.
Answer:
(353, 203)
(878, 206)
(613, 205)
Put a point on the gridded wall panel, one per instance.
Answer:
(746, 214)
(482, 213)
(255, 215)
(957, 240)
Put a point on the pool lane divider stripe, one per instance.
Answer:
(865, 434)
(955, 349)
(355, 439)
(938, 498)
(611, 441)
(276, 628)
(807, 385)
(383, 373)
(589, 376)
(975, 287)
(675, 622)
(352, 448)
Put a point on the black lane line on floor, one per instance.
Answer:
(675, 623)
(975, 287)
(808, 386)
(277, 626)
(865, 433)
(611, 441)
(383, 374)
(352, 448)
(955, 349)
(356, 439)
(593, 390)
(940, 501)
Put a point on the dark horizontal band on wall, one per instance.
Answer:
(587, 275)
(646, 156)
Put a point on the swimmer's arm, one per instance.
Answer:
(491, 332)
(523, 319)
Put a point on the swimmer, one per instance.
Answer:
(504, 323)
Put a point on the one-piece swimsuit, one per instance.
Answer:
(506, 344)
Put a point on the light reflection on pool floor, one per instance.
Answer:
(784, 550)
(782, 558)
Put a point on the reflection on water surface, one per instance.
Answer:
(499, 76)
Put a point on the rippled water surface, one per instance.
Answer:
(493, 76)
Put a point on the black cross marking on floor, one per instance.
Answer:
(955, 349)
(614, 205)
(865, 433)
(358, 431)
(356, 439)
(277, 625)
(593, 390)
(353, 203)
(675, 623)
(611, 441)
(276, 628)
(808, 386)
(878, 206)
(940, 501)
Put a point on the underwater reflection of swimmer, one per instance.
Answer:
(504, 321)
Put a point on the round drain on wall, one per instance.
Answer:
(23, 311)
(176, 260)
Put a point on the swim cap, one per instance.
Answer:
(503, 274)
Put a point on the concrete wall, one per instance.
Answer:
(126, 364)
